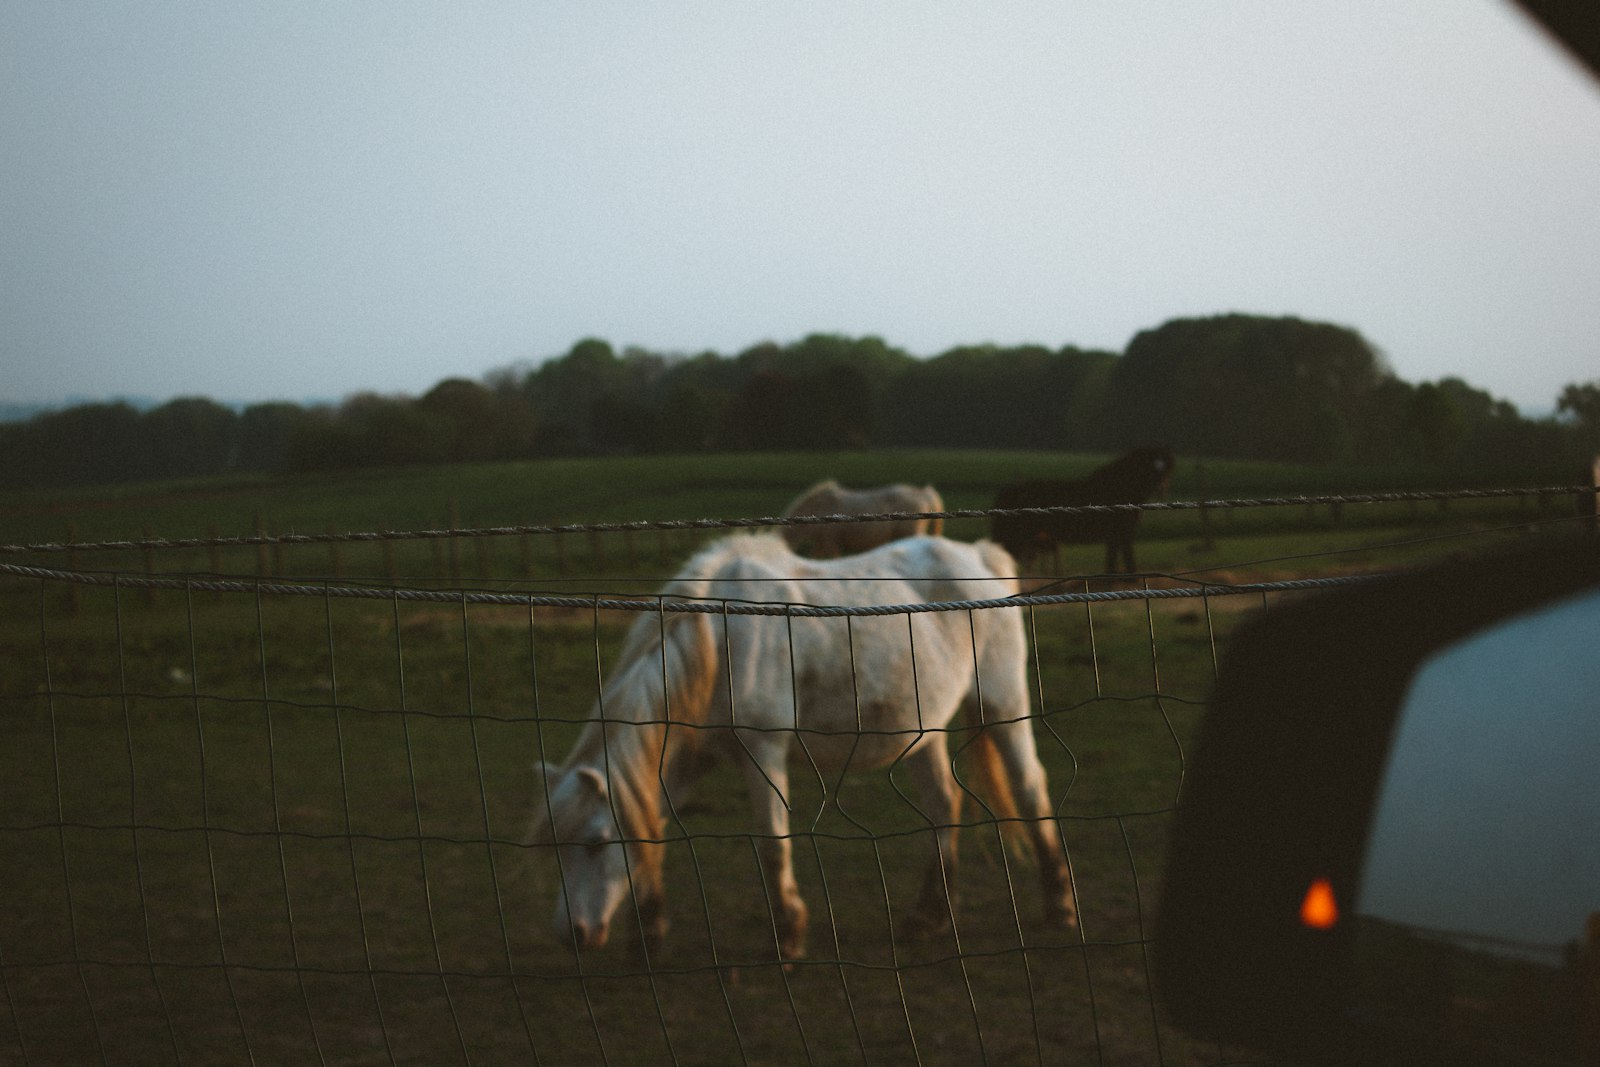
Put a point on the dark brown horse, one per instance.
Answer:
(1130, 479)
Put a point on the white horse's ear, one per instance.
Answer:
(594, 780)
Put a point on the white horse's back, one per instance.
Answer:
(923, 568)
(869, 685)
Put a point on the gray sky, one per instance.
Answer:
(304, 199)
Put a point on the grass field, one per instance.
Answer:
(253, 827)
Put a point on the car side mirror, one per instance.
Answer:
(1388, 846)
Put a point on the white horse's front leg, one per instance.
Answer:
(650, 897)
(767, 778)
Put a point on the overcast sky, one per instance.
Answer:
(304, 199)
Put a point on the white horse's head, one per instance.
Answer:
(591, 857)
(601, 811)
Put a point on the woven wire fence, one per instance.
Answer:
(283, 822)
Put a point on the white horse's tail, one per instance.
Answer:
(994, 785)
(994, 789)
(1000, 564)
(933, 502)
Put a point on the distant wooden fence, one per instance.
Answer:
(456, 553)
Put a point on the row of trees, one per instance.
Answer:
(1233, 385)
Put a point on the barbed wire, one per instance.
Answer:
(667, 602)
(536, 530)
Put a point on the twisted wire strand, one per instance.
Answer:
(368, 536)
(660, 602)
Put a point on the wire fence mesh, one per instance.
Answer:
(270, 821)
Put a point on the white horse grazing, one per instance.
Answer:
(856, 693)
(845, 538)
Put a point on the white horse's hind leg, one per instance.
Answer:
(1014, 743)
(930, 770)
(767, 779)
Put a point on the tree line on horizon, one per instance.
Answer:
(1227, 386)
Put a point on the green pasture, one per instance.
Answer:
(580, 491)
(248, 825)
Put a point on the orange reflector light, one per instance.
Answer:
(1319, 910)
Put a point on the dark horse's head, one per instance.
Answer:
(1138, 475)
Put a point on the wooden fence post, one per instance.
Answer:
(1594, 498)
(74, 597)
(262, 562)
(1207, 538)
(455, 547)
(1589, 507)
(149, 565)
(215, 557)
